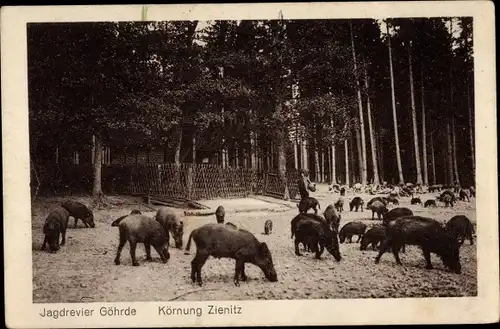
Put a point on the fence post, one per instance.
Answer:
(159, 187)
(189, 180)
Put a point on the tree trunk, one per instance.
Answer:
(296, 155)
(433, 161)
(362, 154)
(394, 112)
(454, 144)
(323, 166)
(449, 155)
(333, 164)
(451, 144)
(370, 128)
(414, 119)
(346, 150)
(194, 147)
(424, 131)
(380, 150)
(471, 133)
(305, 155)
(177, 156)
(316, 164)
(356, 159)
(97, 188)
(252, 158)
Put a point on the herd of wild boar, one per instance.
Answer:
(398, 227)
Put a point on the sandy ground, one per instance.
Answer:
(84, 270)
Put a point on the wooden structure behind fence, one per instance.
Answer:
(192, 181)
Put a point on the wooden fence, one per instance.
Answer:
(192, 181)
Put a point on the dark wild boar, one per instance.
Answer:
(339, 205)
(391, 199)
(378, 198)
(220, 213)
(350, 229)
(426, 233)
(463, 194)
(119, 219)
(415, 201)
(318, 236)
(430, 203)
(461, 228)
(395, 214)
(356, 203)
(472, 190)
(447, 200)
(142, 229)
(268, 227)
(293, 223)
(379, 208)
(220, 241)
(308, 203)
(373, 236)
(332, 218)
(56, 224)
(171, 223)
(342, 191)
(447, 192)
(79, 211)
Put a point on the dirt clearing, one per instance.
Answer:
(84, 270)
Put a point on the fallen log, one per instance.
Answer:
(166, 204)
(198, 213)
(196, 205)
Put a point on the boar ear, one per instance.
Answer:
(263, 248)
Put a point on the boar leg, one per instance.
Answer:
(359, 237)
(385, 245)
(244, 277)
(427, 256)
(237, 272)
(315, 249)
(201, 261)
(196, 265)
(147, 247)
(44, 243)
(123, 240)
(133, 245)
(297, 251)
(193, 269)
(63, 241)
(76, 221)
(395, 250)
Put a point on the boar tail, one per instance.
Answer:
(117, 221)
(188, 246)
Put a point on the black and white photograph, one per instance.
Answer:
(282, 158)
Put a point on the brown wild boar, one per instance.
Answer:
(221, 241)
(142, 229)
(56, 223)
